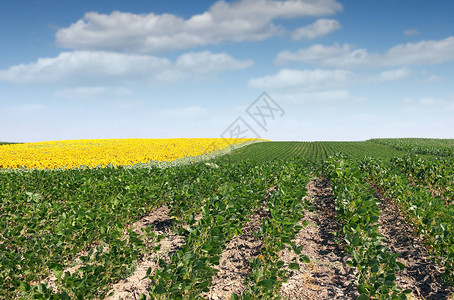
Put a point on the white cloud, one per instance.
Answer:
(89, 92)
(410, 32)
(312, 54)
(123, 104)
(184, 113)
(94, 67)
(319, 28)
(432, 78)
(85, 65)
(208, 63)
(330, 96)
(390, 75)
(238, 21)
(431, 104)
(420, 53)
(303, 79)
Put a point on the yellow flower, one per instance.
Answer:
(102, 152)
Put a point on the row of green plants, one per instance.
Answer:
(437, 173)
(441, 147)
(192, 268)
(312, 151)
(358, 213)
(269, 151)
(49, 217)
(286, 209)
(430, 215)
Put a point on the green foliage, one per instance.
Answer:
(441, 147)
(49, 217)
(191, 269)
(357, 210)
(435, 173)
(409, 182)
(316, 152)
(285, 207)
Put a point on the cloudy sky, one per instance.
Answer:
(334, 70)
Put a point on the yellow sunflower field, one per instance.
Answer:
(101, 152)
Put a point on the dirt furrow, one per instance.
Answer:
(421, 274)
(133, 286)
(234, 263)
(326, 276)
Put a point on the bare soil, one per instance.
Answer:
(234, 263)
(421, 274)
(133, 286)
(326, 276)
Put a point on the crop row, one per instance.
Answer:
(191, 269)
(49, 217)
(262, 152)
(442, 147)
(430, 215)
(358, 212)
(436, 173)
(313, 151)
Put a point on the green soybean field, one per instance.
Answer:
(269, 220)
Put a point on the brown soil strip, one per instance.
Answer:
(326, 276)
(421, 274)
(133, 286)
(234, 263)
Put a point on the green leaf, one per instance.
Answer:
(267, 283)
(148, 273)
(24, 287)
(305, 259)
(362, 290)
(159, 289)
(57, 272)
(401, 265)
(374, 269)
(363, 297)
(41, 288)
(294, 266)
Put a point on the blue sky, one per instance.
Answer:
(337, 70)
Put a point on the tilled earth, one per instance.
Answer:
(234, 263)
(132, 287)
(326, 276)
(421, 274)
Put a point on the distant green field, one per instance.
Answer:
(441, 147)
(314, 151)
(8, 143)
